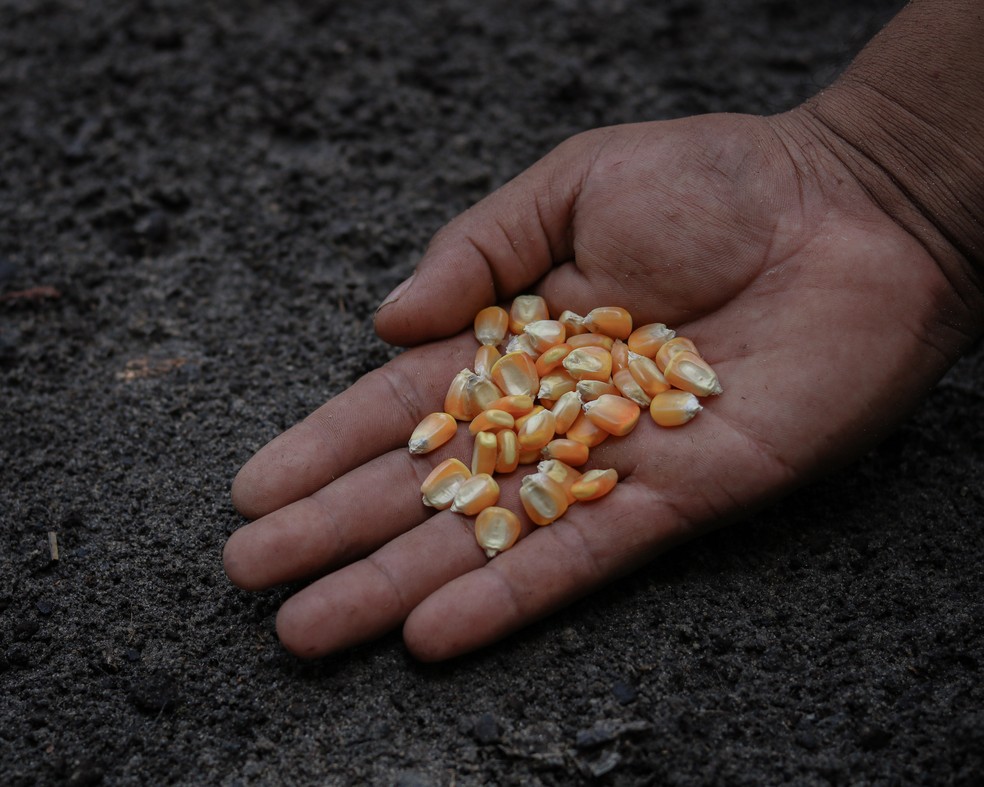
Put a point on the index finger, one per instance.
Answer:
(375, 415)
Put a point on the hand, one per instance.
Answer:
(821, 315)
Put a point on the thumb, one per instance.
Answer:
(494, 250)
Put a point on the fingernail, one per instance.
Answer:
(397, 292)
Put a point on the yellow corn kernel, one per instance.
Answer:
(515, 404)
(566, 410)
(543, 499)
(569, 452)
(614, 414)
(515, 373)
(630, 388)
(555, 385)
(551, 359)
(611, 321)
(594, 484)
(589, 390)
(484, 453)
(583, 430)
(562, 473)
(674, 408)
(545, 334)
(537, 408)
(478, 492)
(485, 358)
(574, 323)
(689, 372)
(620, 356)
(647, 339)
(529, 457)
(536, 430)
(491, 421)
(647, 374)
(441, 485)
(589, 363)
(432, 432)
(591, 340)
(526, 309)
(458, 402)
(522, 344)
(670, 348)
(496, 529)
(507, 451)
(491, 324)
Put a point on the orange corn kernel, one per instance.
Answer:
(566, 410)
(536, 431)
(491, 324)
(545, 334)
(496, 529)
(485, 358)
(674, 408)
(537, 408)
(589, 390)
(526, 309)
(478, 492)
(530, 457)
(620, 356)
(491, 421)
(574, 323)
(670, 348)
(647, 374)
(555, 385)
(569, 452)
(484, 453)
(689, 372)
(630, 388)
(611, 321)
(432, 432)
(458, 401)
(441, 485)
(589, 363)
(562, 473)
(614, 414)
(594, 484)
(515, 373)
(551, 359)
(591, 340)
(515, 404)
(647, 339)
(522, 344)
(507, 451)
(583, 430)
(543, 499)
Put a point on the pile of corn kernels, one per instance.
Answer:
(561, 388)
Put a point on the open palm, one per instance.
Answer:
(819, 313)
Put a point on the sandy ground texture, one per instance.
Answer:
(201, 205)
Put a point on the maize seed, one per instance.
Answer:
(689, 372)
(537, 408)
(670, 348)
(545, 334)
(589, 363)
(458, 401)
(484, 453)
(620, 356)
(647, 374)
(491, 324)
(574, 323)
(611, 321)
(496, 529)
(552, 358)
(529, 457)
(526, 309)
(594, 484)
(432, 432)
(543, 499)
(515, 373)
(441, 485)
(555, 385)
(647, 339)
(583, 430)
(507, 451)
(514, 404)
(589, 390)
(522, 344)
(562, 473)
(591, 340)
(536, 430)
(478, 492)
(630, 388)
(569, 452)
(614, 414)
(674, 408)
(566, 409)
(491, 421)
(485, 358)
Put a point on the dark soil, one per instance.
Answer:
(201, 204)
